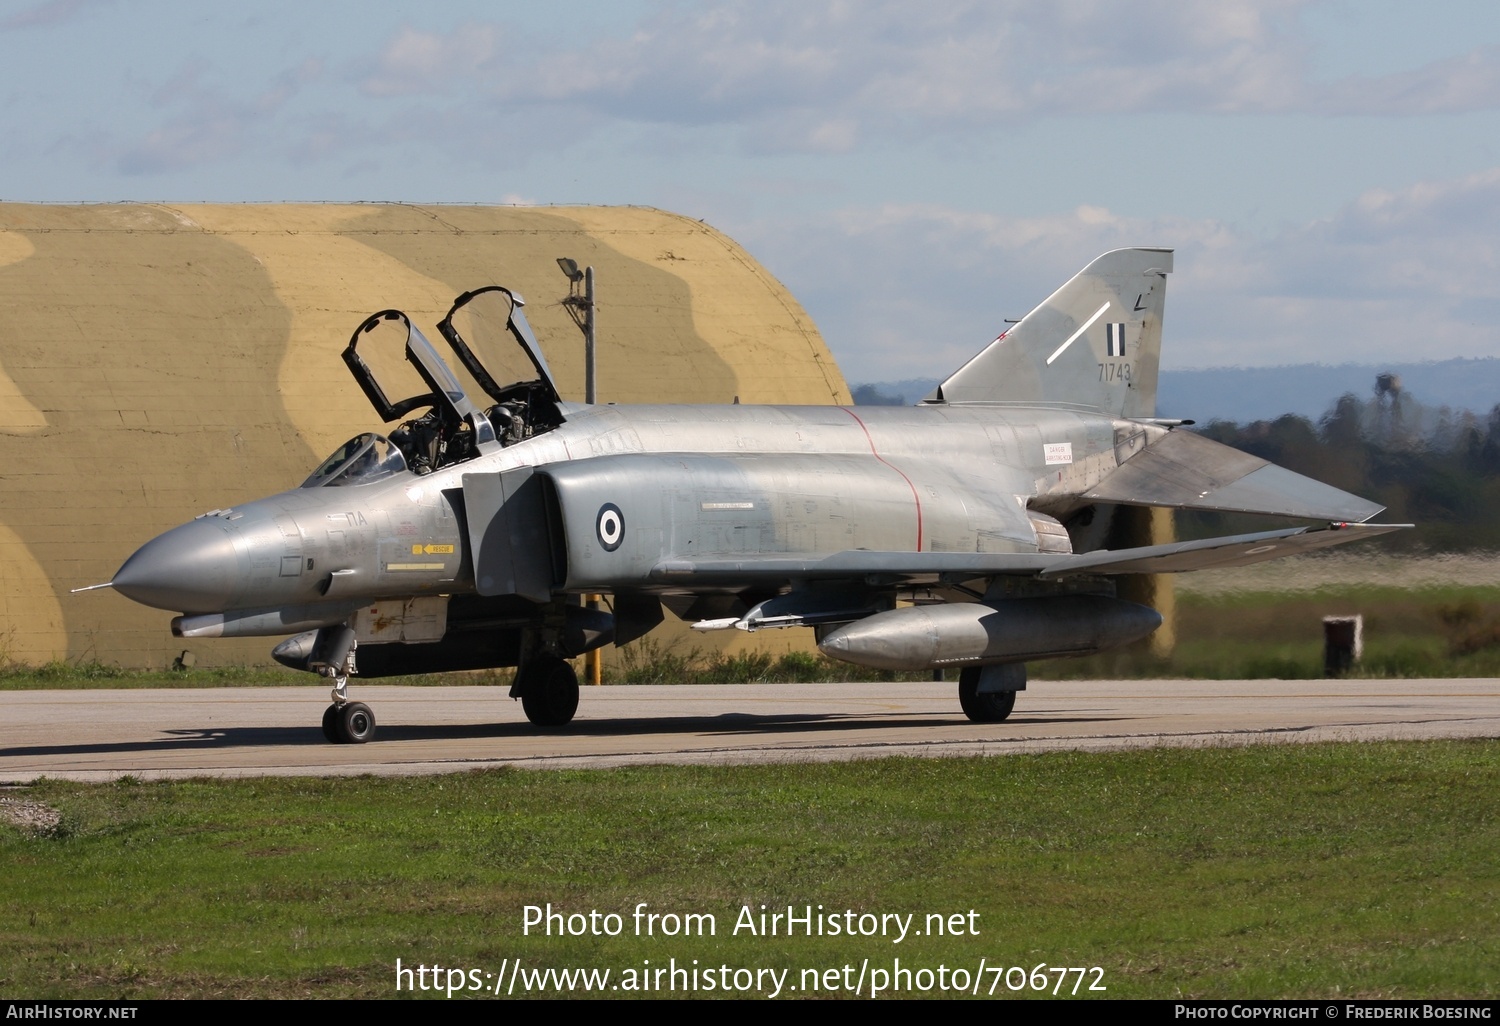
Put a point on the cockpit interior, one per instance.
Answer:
(440, 425)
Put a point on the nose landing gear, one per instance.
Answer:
(352, 723)
(344, 722)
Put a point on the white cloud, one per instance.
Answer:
(913, 291)
(822, 76)
(209, 125)
(52, 12)
(425, 62)
(1467, 82)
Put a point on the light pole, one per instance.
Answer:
(581, 309)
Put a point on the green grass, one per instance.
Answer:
(648, 662)
(93, 674)
(644, 662)
(1409, 632)
(1313, 871)
(1425, 632)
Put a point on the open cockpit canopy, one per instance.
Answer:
(440, 421)
(489, 333)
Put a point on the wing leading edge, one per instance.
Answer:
(1175, 557)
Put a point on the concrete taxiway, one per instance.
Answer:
(264, 731)
(236, 732)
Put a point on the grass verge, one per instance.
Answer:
(1337, 870)
(1434, 631)
(1247, 635)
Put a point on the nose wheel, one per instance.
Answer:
(344, 722)
(352, 723)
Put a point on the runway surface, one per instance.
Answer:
(234, 732)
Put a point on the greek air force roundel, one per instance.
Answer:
(610, 526)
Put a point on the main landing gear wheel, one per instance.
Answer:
(549, 691)
(350, 724)
(993, 707)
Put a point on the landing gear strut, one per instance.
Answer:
(549, 690)
(344, 722)
(991, 705)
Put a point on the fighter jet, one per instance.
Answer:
(965, 531)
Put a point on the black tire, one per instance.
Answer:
(994, 707)
(331, 725)
(356, 723)
(549, 691)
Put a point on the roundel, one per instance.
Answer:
(610, 526)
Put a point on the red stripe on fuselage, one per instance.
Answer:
(915, 498)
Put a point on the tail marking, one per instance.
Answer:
(1074, 337)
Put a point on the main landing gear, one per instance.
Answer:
(988, 693)
(548, 689)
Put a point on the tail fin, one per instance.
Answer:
(1095, 342)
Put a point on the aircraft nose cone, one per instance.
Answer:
(190, 569)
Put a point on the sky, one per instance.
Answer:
(1328, 171)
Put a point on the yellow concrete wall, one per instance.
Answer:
(163, 360)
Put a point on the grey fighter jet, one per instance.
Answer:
(964, 532)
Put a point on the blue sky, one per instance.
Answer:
(1329, 172)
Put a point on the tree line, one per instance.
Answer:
(1431, 466)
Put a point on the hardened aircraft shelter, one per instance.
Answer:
(163, 360)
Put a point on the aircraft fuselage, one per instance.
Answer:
(688, 484)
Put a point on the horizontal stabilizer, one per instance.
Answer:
(1187, 471)
(1234, 550)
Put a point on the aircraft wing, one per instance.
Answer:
(886, 566)
(1232, 550)
(1174, 557)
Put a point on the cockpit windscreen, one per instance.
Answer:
(361, 460)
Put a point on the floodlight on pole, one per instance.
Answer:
(581, 309)
(570, 268)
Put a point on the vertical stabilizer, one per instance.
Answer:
(1095, 342)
